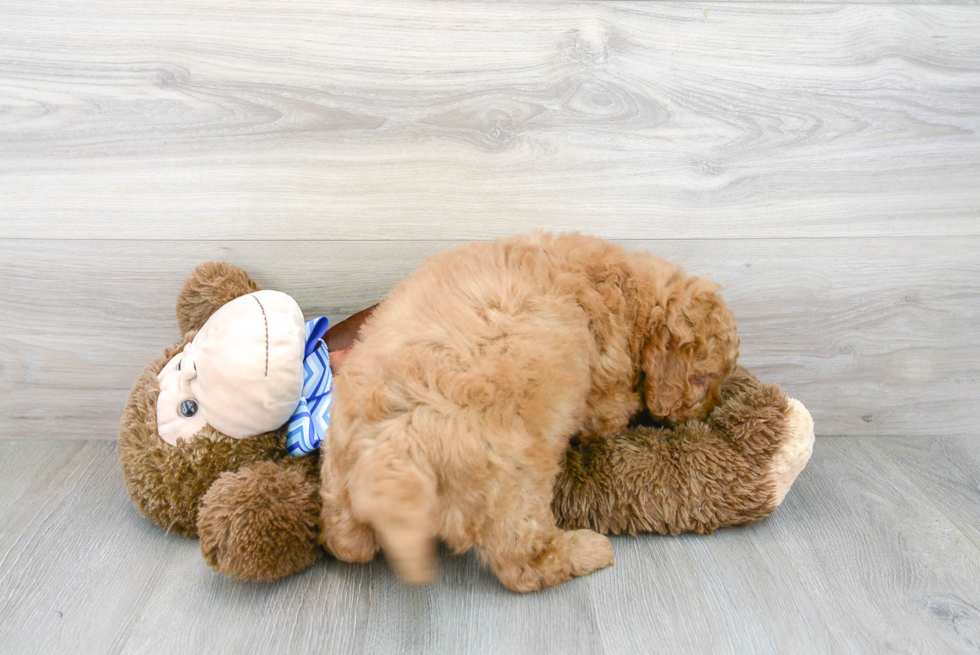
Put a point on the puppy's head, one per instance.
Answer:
(691, 347)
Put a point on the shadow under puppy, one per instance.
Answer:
(454, 411)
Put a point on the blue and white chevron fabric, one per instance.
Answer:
(309, 423)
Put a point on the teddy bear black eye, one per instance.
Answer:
(188, 408)
(179, 363)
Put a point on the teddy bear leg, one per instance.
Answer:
(794, 453)
(260, 522)
(700, 476)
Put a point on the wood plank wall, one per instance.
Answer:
(821, 161)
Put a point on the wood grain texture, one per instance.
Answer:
(858, 506)
(419, 120)
(860, 558)
(76, 564)
(951, 478)
(875, 336)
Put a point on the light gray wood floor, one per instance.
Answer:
(876, 549)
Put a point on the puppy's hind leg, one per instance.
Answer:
(397, 499)
(341, 534)
(528, 552)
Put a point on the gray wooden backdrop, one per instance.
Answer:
(821, 161)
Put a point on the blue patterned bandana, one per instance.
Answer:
(308, 424)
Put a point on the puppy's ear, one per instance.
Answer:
(691, 346)
(666, 386)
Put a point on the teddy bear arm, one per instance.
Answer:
(261, 522)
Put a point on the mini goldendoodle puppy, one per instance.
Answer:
(454, 410)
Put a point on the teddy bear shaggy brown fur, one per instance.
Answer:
(256, 508)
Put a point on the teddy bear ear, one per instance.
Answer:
(211, 285)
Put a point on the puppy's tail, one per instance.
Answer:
(392, 494)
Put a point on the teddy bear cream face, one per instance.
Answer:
(242, 374)
(178, 410)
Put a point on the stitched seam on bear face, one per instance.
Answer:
(266, 319)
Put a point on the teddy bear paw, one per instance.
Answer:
(259, 523)
(795, 451)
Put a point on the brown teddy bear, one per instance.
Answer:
(256, 507)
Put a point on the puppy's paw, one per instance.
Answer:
(795, 451)
(589, 551)
(349, 541)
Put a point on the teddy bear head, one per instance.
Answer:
(215, 401)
